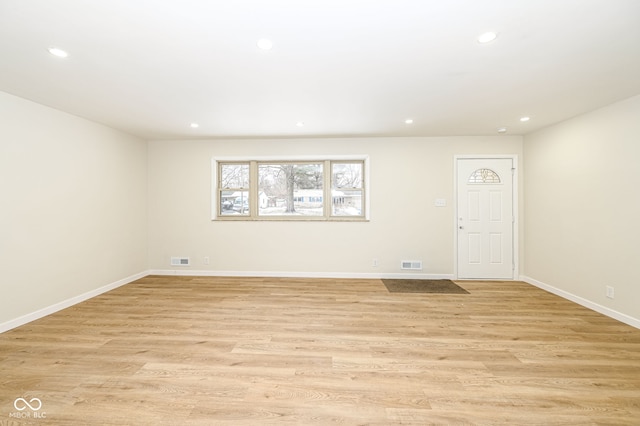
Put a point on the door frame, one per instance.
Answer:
(515, 200)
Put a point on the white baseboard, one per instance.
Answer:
(283, 274)
(634, 322)
(17, 322)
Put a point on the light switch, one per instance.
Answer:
(440, 202)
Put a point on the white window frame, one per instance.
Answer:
(253, 189)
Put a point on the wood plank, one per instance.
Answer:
(232, 350)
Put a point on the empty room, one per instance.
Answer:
(319, 212)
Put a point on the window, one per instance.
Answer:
(291, 189)
(346, 188)
(484, 176)
(316, 189)
(233, 192)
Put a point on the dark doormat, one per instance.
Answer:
(423, 286)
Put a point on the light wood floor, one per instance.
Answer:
(175, 351)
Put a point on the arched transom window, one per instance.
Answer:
(484, 176)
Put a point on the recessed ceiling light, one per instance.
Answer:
(408, 121)
(523, 119)
(300, 124)
(194, 125)
(265, 44)
(58, 52)
(502, 130)
(487, 37)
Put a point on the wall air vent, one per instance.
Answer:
(180, 261)
(411, 264)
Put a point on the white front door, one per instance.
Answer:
(485, 218)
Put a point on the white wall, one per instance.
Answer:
(582, 204)
(73, 207)
(73, 216)
(407, 175)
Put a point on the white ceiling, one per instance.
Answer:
(343, 67)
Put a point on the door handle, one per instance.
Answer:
(461, 227)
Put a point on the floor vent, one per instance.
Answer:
(411, 264)
(180, 261)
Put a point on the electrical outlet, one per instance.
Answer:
(374, 263)
(610, 292)
(207, 260)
